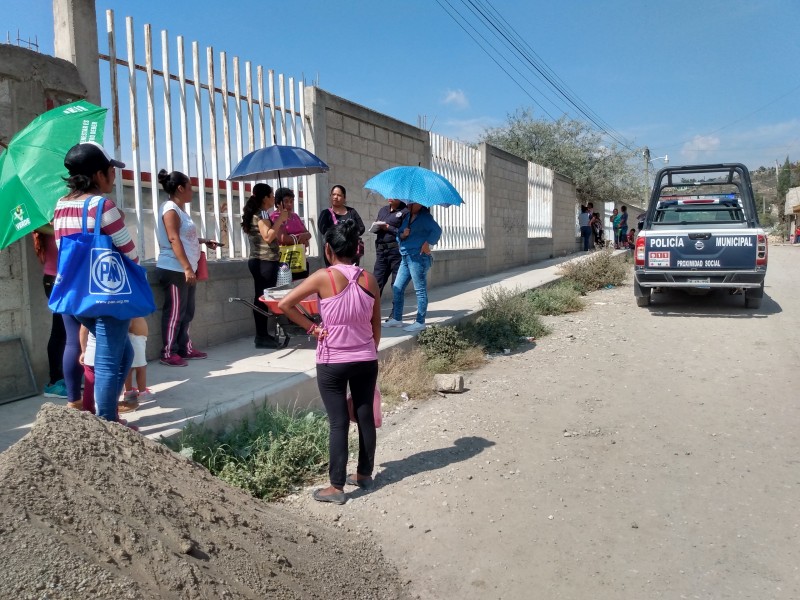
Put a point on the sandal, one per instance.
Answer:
(336, 498)
(365, 483)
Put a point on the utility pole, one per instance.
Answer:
(646, 155)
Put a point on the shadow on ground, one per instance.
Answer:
(462, 449)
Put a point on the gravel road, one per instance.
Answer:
(633, 453)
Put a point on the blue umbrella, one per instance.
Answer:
(277, 161)
(415, 184)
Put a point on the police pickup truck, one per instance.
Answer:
(701, 232)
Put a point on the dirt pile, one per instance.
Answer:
(90, 509)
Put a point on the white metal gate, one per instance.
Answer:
(191, 114)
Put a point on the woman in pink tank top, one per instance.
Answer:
(347, 353)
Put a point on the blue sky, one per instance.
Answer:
(698, 80)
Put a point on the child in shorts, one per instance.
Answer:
(137, 333)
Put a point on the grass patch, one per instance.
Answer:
(596, 271)
(440, 349)
(269, 455)
(558, 298)
(507, 318)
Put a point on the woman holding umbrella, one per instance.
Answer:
(264, 254)
(417, 233)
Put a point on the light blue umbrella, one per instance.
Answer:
(277, 161)
(415, 184)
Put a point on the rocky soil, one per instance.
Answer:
(633, 453)
(89, 509)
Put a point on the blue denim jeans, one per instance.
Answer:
(112, 361)
(412, 268)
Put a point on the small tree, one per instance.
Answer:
(572, 148)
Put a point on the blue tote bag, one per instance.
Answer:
(95, 279)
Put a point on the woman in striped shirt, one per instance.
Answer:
(92, 174)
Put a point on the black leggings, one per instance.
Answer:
(58, 337)
(265, 275)
(332, 380)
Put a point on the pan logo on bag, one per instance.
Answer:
(108, 273)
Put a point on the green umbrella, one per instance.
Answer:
(32, 167)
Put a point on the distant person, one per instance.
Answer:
(586, 230)
(347, 353)
(339, 211)
(179, 254)
(264, 261)
(596, 224)
(44, 244)
(632, 237)
(623, 225)
(615, 218)
(91, 174)
(292, 230)
(387, 248)
(417, 233)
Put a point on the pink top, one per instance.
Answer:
(293, 225)
(50, 254)
(347, 318)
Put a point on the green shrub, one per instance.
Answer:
(442, 342)
(506, 318)
(268, 456)
(596, 271)
(556, 299)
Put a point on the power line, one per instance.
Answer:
(482, 47)
(523, 53)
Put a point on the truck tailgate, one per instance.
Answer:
(702, 250)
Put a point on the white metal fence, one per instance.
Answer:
(463, 226)
(540, 201)
(208, 120)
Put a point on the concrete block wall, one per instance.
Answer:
(30, 84)
(357, 143)
(564, 198)
(506, 207)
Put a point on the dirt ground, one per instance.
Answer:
(93, 510)
(633, 453)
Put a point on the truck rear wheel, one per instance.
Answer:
(642, 294)
(753, 296)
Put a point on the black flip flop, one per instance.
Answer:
(339, 498)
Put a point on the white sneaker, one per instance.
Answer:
(392, 323)
(414, 327)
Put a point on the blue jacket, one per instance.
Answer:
(423, 229)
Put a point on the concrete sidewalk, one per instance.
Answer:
(236, 378)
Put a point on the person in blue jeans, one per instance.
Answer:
(417, 233)
(586, 231)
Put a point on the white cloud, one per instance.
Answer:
(456, 98)
(466, 130)
(700, 148)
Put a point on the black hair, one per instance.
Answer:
(80, 184)
(624, 209)
(254, 202)
(281, 193)
(341, 187)
(343, 240)
(170, 182)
